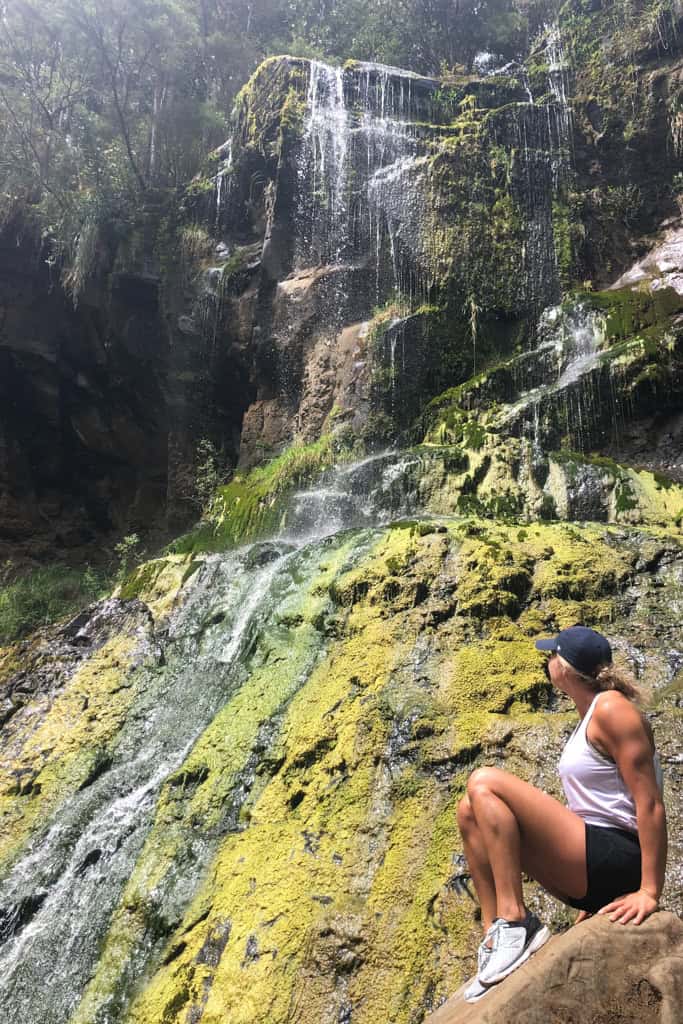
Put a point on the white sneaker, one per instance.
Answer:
(513, 944)
(475, 990)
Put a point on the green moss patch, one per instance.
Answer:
(253, 505)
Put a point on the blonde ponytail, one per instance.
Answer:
(612, 677)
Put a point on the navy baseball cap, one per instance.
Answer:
(584, 649)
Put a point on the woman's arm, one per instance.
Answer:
(619, 729)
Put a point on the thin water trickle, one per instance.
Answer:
(582, 337)
(574, 339)
(369, 493)
(557, 79)
(222, 179)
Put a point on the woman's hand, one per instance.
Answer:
(634, 906)
(582, 915)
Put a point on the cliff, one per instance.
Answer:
(435, 329)
(367, 240)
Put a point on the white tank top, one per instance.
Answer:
(593, 784)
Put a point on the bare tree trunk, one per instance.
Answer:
(157, 107)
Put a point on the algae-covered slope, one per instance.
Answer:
(252, 815)
(228, 792)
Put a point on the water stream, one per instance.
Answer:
(56, 903)
(574, 339)
(359, 163)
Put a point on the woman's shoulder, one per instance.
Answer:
(616, 715)
(613, 702)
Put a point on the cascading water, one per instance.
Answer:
(326, 142)
(58, 900)
(368, 493)
(557, 78)
(572, 340)
(223, 176)
(582, 335)
(358, 164)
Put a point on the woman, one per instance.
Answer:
(605, 852)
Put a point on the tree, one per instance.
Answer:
(103, 101)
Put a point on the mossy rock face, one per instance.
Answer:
(621, 62)
(295, 725)
(631, 313)
(253, 504)
(511, 190)
(65, 695)
(480, 215)
(302, 857)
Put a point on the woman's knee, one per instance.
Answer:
(466, 819)
(488, 779)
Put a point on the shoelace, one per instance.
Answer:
(485, 950)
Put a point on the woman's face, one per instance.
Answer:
(555, 671)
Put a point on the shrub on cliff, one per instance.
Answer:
(43, 596)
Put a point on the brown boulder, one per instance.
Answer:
(595, 973)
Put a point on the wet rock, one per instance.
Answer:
(50, 657)
(662, 266)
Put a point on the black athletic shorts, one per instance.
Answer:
(612, 865)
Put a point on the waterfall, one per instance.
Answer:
(368, 493)
(557, 80)
(582, 336)
(73, 874)
(223, 180)
(573, 338)
(362, 164)
(223, 177)
(359, 162)
(326, 140)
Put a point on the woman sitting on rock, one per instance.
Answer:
(605, 852)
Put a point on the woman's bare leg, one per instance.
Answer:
(518, 827)
(500, 833)
(477, 862)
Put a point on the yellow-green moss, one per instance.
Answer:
(391, 670)
(159, 582)
(68, 746)
(252, 505)
(193, 800)
(266, 881)
(339, 861)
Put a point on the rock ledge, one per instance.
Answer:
(595, 973)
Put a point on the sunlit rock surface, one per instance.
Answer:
(598, 972)
(244, 806)
(661, 267)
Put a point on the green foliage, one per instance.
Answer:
(43, 596)
(210, 473)
(429, 36)
(99, 104)
(129, 553)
